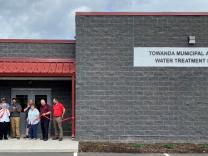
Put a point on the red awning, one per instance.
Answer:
(37, 67)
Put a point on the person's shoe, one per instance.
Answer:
(60, 139)
(18, 138)
(1, 138)
(45, 139)
(55, 138)
(26, 137)
(5, 138)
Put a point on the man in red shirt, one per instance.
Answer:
(44, 118)
(58, 114)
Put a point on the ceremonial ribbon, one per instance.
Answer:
(65, 119)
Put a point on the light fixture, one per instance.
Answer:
(191, 40)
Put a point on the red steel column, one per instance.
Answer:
(73, 106)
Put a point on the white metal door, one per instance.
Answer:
(36, 94)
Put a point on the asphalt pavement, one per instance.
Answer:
(95, 154)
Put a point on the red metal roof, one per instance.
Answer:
(36, 67)
(37, 41)
(141, 13)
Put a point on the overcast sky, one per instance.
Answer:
(54, 19)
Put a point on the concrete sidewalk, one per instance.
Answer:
(26, 145)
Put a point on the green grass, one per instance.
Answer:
(137, 145)
(169, 146)
(204, 146)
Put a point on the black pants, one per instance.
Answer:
(4, 126)
(44, 127)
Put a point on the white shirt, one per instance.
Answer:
(4, 115)
(32, 115)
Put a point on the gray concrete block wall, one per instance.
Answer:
(63, 92)
(118, 102)
(39, 50)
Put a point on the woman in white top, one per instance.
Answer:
(4, 121)
(33, 121)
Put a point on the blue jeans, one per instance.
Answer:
(33, 131)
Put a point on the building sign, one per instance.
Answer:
(170, 57)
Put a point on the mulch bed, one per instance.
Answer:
(142, 148)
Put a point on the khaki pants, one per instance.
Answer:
(15, 127)
(58, 127)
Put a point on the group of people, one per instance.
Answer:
(10, 119)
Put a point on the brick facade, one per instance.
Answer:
(39, 50)
(118, 102)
